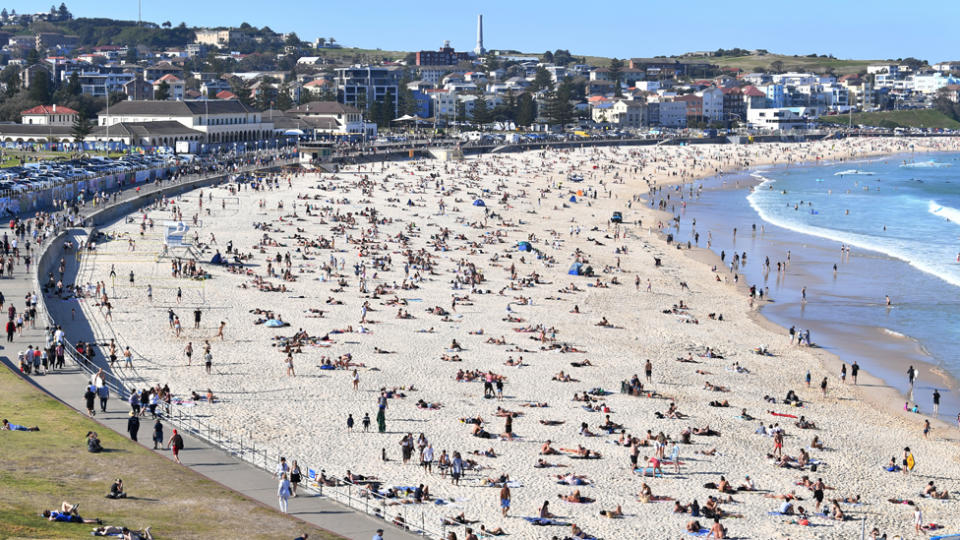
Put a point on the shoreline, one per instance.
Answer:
(878, 390)
(666, 338)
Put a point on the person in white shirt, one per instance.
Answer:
(282, 467)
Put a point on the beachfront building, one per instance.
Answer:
(775, 119)
(671, 114)
(329, 117)
(220, 121)
(48, 115)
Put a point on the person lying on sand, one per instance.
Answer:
(931, 491)
(575, 497)
(616, 513)
(489, 532)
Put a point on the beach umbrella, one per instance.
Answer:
(381, 421)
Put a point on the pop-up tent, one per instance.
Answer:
(217, 259)
(273, 323)
(479, 202)
(575, 269)
(573, 198)
(524, 246)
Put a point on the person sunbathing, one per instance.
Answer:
(498, 531)
(545, 512)
(706, 432)
(803, 423)
(615, 513)
(694, 526)
(7, 426)
(574, 497)
(718, 530)
(123, 533)
(931, 491)
(585, 430)
(571, 479)
(792, 496)
(724, 486)
(836, 511)
(68, 513)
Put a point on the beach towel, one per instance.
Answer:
(544, 522)
(945, 536)
(783, 415)
(701, 532)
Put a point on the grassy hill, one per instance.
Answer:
(917, 118)
(41, 469)
(766, 61)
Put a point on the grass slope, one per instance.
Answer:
(764, 61)
(914, 118)
(41, 469)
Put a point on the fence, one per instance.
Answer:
(357, 497)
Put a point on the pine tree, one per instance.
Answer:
(481, 114)
(616, 74)
(526, 110)
(163, 92)
(82, 127)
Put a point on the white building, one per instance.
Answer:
(775, 119)
(48, 115)
(221, 121)
(712, 104)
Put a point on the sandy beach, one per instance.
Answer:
(395, 270)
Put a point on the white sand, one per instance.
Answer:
(304, 417)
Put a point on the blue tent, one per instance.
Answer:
(217, 259)
(479, 202)
(575, 269)
(573, 198)
(273, 323)
(524, 246)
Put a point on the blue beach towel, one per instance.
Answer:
(701, 532)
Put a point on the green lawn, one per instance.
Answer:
(919, 118)
(40, 469)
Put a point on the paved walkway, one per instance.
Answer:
(206, 459)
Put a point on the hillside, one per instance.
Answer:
(766, 62)
(917, 118)
(41, 469)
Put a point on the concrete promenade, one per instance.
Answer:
(200, 455)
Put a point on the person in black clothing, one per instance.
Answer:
(157, 434)
(89, 396)
(196, 318)
(133, 425)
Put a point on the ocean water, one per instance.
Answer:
(907, 209)
(900, 218)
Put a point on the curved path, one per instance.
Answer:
(200, 454)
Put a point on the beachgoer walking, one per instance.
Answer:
(283, 492)
(936, 402)
(175, 444)
(504, 500)
(366, 422)
(133, 426)
(356, 380)
(823, 386)
(854, 370)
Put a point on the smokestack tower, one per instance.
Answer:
(479, 50)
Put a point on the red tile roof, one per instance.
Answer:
(226, 94)
(50, 109)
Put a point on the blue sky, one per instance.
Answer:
(845, 28)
